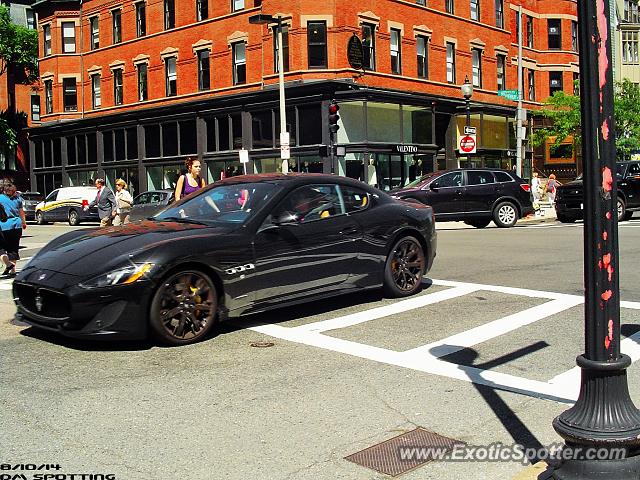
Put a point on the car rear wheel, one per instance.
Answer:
(505, 215)
(478, 223)
(40, 218)
(184, 307)
(74, 218)
(404, 268)
(622, 210)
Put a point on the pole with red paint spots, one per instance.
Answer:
(604, 424)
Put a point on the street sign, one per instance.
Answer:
(355, 53)
(285, 152)
(509, 94)
(469, 130)
(244, 155)
(468, 144)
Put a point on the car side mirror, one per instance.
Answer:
(286, 218)
(434, 185)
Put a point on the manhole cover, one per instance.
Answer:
(404, 452)
(262, 344)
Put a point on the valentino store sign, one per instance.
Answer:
(405, 148)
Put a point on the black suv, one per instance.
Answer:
(570, 202)
(475, 195)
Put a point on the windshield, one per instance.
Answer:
(235, 203)
(620, 168)
(420, 180)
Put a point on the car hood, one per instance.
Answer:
(82, 253)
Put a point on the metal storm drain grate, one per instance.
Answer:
(404, 452)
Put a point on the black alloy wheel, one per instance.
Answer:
(622, 210)
(40, 218)
(478, 223)
(505, 215)
(184, 308)
(74, 218)
(404, 268)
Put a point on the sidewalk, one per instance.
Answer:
(547, 214)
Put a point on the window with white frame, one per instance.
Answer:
(554, 31)
(317, 44)
(169, 14)
(422, 51)
(631, 11)
(396, 51)
(46, 35)
(68, 37)
(574, 35)
(285, 49)
(118, 93)
(630, 47)
(96, 97)
(141, 19)
(116, 20)
(35, 108)
(48, 96)
(499, 6)
(203, 70)
(31, 19)
(476, 67)
(369, 46)
(449, 6)
(501, 61)
(94, 37)
(202, 10)
(170, 77)
(475, 10)
(576, 84)
(239, 63)
(531, 82)
(237, 5)
(69, 95)
(142, 82)
(451, 62)
(555, 82)
(529, 31)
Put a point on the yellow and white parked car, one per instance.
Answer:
(67, 205)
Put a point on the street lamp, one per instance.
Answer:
(284, 135)
(467, 92)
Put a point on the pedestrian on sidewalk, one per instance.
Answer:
(124, 201)
(535, 187)
(552, 184)
(12, 224)
(106, 202)
(191, 181)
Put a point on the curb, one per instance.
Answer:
(539, 471)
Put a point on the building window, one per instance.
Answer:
(118, 94)
(369, 46)
(529, 32)
(95, 91)
(448, 6)
(169, 14)
(141, 19)
(451, 62)
(317, 44)
(422, 49)
(476, 70)
(396, 51)
(95, 33)
(70, 95)
(170, 77)
(48, 96)
(630, 47)
(631, 11)
(35, 108)
(68, 37)
(237, 5)
(574, 36)
(502, 72)
(142, 82)
(203, 70)
(499, 13)
(555, 82)
(576, 83)
(475, 10)
(285, 49)
(31, 19)
(554, 34)
(116, 20)
(202, 9)
(531, 92)
(239, 63)
(421, 2)
(46, 32)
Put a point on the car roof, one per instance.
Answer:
(290, 178)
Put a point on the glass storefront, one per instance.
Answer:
(385, 171)
(163, 176)
(128, 174)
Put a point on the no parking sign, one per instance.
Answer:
(468, 144)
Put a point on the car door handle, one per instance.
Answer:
(458, 192)
(348, 231)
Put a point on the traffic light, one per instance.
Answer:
(333, 116)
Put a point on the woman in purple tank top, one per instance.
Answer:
(191, 181)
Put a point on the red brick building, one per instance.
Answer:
(132, 87)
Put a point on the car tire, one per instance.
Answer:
(40, 218)
(622, 210)
(74, 218)
(480, 223)
(565, 219)
(505, 215)
(184, 308)
(404, 268)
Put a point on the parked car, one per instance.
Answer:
(570, 196)
(149, 203)
(30, 201)
(67, 204)
(241, 245)
(475, 196)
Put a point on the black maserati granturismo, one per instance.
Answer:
(242, 245)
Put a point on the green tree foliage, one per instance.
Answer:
(18, 48)
(563, 111)
(627, 118)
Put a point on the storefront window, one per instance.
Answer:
(351, 122)
(268, 165)
(494, 132)
(352, 166)
(166, 176)
(383, 122)
(416, 124)
(221, 169)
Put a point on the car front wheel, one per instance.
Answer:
(622, 210)
(40, 218)
(184, 307)
(74, 218)
(404, 268)
(505, 215)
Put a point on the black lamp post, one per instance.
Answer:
(467, 92)
(604, 422)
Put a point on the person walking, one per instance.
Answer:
(12, 224)
(535, 187)
(106, 202)
(191, 181)
(124, 202)
(552, 184)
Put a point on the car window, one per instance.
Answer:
(477, 177)
(309, 203)
(620, 168)
(141, 199)
(156, 197)
(355, 199)
(503, 177)
(453, 179)
(634, 169)
(52, 196)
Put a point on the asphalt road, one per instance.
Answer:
(224, 409)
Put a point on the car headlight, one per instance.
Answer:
(122, 276)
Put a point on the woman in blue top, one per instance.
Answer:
(12, 227)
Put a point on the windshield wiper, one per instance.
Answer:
(180, 220)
